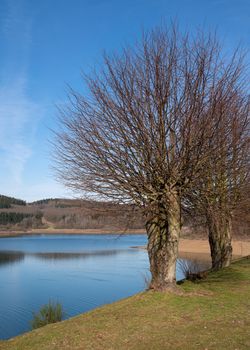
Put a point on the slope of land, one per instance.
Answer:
(210, 314)
(68, 214)
(83, 216)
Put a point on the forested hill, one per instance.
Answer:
(7, 202)
(63, 213)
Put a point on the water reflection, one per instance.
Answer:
(83, 255)
(80, 272)
(10, 257)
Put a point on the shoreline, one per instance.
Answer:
(197, 248)
(53, 231)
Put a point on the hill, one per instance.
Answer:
(56, 213)
(7, 202)
(77, 214)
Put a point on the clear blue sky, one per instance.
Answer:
(44, 45)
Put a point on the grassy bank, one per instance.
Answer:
(210, 314)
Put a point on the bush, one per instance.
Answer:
(49, 313)
(193, 269)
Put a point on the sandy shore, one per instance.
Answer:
(197, 248)
(202, 246)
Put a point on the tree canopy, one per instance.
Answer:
(149, 129)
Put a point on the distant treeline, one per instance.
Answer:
(6, 202)
(13, 218)
(44, 201)
(58, 202)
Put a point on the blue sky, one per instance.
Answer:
(45, 44)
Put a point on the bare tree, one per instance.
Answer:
(219, 190)
(140, 134)
(227, 177)
(241, 214)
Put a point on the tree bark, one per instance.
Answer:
(220, 241)
(163, 237)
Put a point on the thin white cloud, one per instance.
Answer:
(17, 126)
(18, 114)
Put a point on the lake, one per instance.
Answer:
(81, 272)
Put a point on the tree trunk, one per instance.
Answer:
(220, 240)
(163, 237)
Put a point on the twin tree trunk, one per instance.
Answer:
(163, 231)
(220, 240)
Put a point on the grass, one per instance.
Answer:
(212, 314)
(49, 313)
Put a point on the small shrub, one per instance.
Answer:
(193, 269)
(49, 313)
(147, 281)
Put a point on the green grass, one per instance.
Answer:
(212, 314)
(49, 313)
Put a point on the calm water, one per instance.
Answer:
(80, 272)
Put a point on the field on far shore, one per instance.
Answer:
(69, 231)
(75, 216)
(211, 314)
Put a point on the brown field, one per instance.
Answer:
(64, 216)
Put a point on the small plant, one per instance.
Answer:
(193, 269)
(147, 281)
(49, 313)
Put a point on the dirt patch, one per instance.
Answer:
(201, 248)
